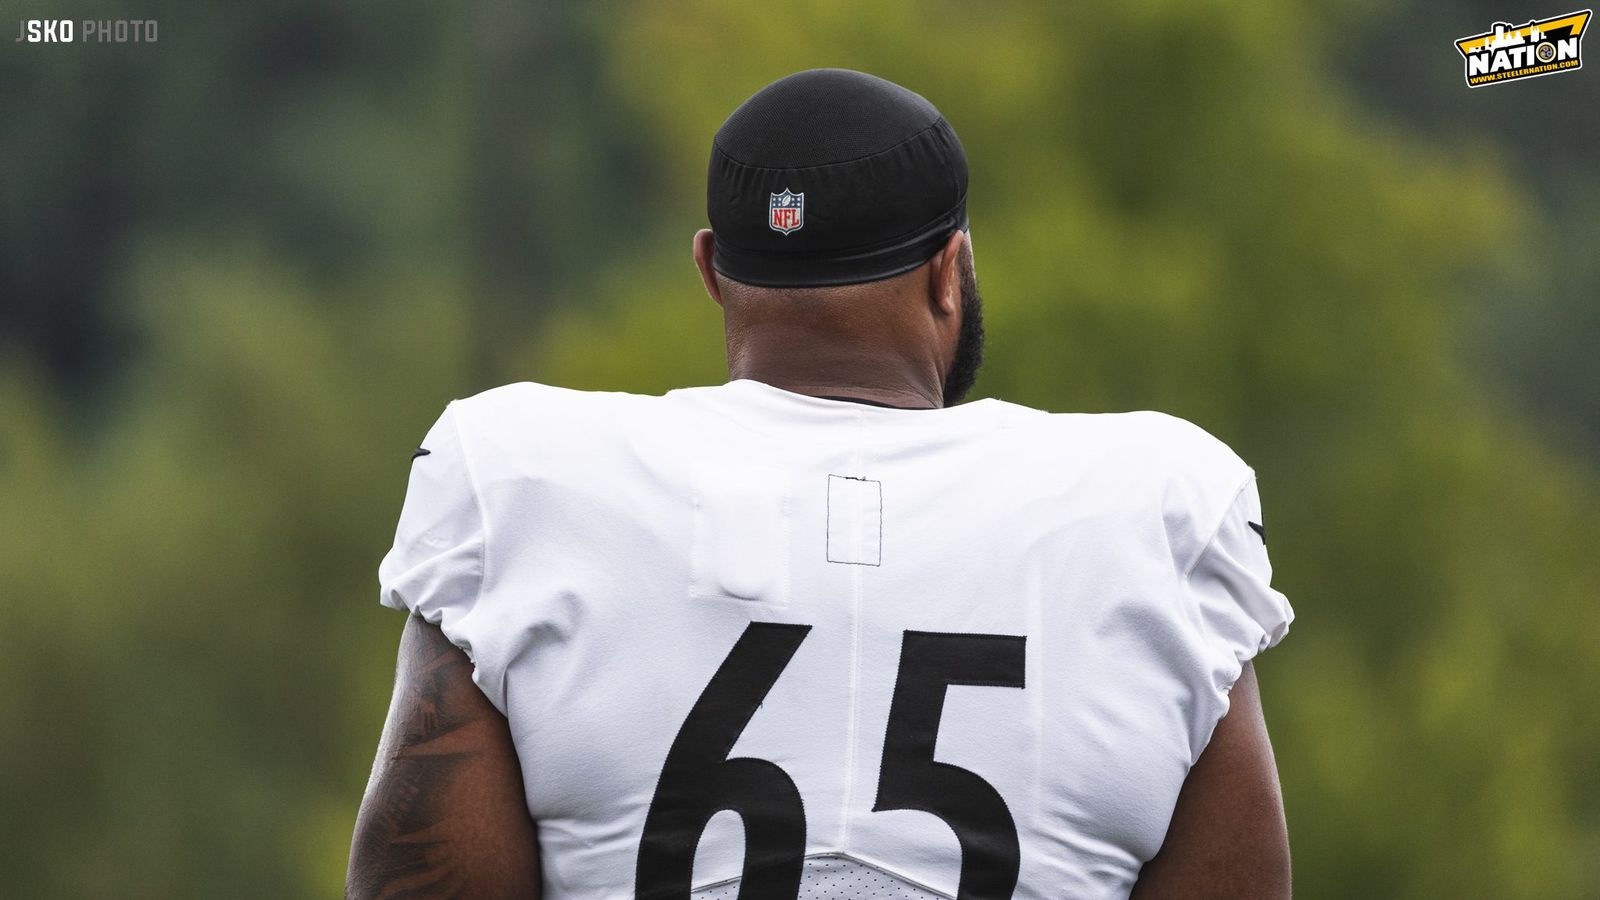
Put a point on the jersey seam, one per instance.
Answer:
(1216, 530)
(853, 725)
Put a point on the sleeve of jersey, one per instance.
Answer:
(435, 568)
(1231, 581)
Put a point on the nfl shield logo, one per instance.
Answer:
(787, 211)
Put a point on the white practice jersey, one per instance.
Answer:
(754, 644)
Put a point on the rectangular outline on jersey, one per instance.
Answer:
(827, 547)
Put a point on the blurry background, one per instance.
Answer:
(243, 269)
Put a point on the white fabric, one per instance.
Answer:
(598, 555)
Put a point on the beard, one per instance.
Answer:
(963, 372)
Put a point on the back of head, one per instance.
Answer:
(837, 249)
(831, 177)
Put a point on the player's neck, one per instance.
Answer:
(835, 368)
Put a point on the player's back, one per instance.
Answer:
(747, 638)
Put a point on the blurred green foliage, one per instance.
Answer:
(321, 227)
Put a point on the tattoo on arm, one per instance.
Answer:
(444, 814)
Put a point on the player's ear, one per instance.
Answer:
(704, 244)
(944, 276)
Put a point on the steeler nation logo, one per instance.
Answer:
(787, 211)
(1541, 47)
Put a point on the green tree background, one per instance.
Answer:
(242, 269)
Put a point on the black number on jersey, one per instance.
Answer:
(910, 778)
(698, 780)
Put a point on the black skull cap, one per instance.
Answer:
(832, 176)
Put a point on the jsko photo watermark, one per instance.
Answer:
(87, 31)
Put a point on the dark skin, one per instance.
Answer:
(444, 814)
(1228, 838)
(888, 341)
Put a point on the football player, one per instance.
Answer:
(820, 631)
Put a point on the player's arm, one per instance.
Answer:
(444, 814)
(1228, 837)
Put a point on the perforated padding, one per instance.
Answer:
(834, 878)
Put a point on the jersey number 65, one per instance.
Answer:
(699, 780)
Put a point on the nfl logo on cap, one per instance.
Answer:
(787, 211)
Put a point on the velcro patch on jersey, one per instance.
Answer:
(741, 533)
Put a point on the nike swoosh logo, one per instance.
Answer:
(420, 451)
(1258, 529)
